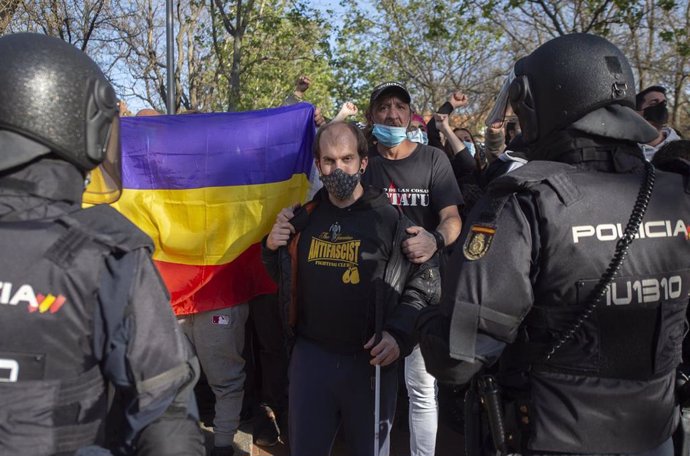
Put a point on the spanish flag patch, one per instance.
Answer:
(478, 241)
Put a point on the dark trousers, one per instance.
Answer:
(270, 356)
(328, 390)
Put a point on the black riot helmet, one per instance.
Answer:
(55, 95)
(567, 78)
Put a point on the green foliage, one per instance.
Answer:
(433, 50)
(285, 46)
(432, 46)
(280, 43)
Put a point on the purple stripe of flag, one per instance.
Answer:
(220, 149)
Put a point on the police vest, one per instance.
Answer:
(609, 389)
(52, 397)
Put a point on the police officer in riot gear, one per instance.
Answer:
(573, 272)
(81, 304)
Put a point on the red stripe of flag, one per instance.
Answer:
(196, 289)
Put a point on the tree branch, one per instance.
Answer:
(224, 17)
(551, 14)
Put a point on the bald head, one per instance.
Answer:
(340, 134)
(146, 112)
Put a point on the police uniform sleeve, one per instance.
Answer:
(487, 289)
(148, 359)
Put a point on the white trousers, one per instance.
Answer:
(422, 393)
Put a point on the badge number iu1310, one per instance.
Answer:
(478, 241)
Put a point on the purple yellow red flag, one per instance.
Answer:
(206, 188)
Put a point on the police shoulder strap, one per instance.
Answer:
(555, 174)
(101, 224)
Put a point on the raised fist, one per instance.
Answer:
(348, 109)
(302, 83)
(458, 99)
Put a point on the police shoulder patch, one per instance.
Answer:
(478, 241)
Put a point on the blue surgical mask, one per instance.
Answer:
(418, 135)
(389, 136)
(470, 147)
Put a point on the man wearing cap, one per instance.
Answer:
(419, 179)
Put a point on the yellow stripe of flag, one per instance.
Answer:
(212, 225)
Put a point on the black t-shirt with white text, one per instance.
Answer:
(421, 184)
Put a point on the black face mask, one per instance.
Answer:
(339, 184)
(657, 114)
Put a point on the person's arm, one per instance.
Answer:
(418, 286)
(146, 356)
(282, 229)
(271, 261)
(422, 289)
(348, 109)
(495, 142)
(445, 198)
(386, 352)
(423, 244)
(279, 236)
(441, 122)
(480, 311)
(456, 100)
(301, 86)
(463, 163)
(433, 333)
(450, 224)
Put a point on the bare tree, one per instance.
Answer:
(83, 23)
(7, 9)
(143, 38)
(652, 33)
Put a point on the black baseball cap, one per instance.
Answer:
(387, 88)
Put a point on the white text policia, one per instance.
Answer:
(612, 232)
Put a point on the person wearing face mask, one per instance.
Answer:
(420, 181)
(416, 177)
(416, 132)
(344, 280)
(651, 104)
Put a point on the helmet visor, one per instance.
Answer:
(105, 186)
(498, 114)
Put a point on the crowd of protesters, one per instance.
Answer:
(400, 143)
(388, 201)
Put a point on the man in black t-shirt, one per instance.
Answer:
(339, 263)
(420, 180)
(416, 177)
